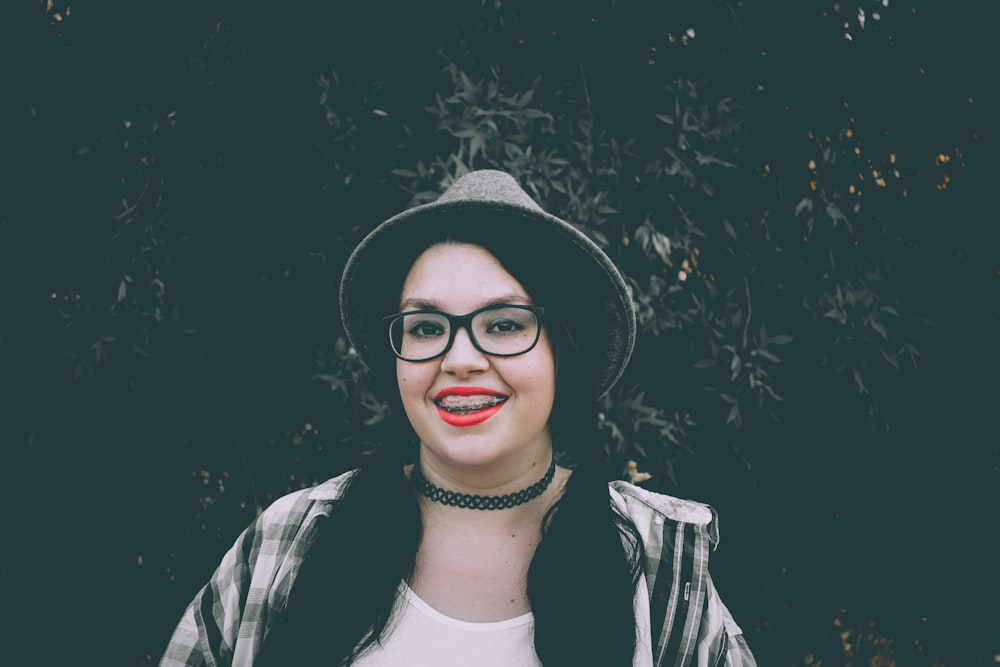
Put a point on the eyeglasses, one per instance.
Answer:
(501, 330)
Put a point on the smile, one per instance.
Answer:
(463, 406)
(468, 406)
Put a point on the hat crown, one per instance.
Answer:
(488, 186)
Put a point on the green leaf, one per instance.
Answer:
(891, 359)
(734, 415)
(835, 214)
(661, 244)
(729, 228)
(862, 389)
(767, 354)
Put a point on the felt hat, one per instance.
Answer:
(564, 271)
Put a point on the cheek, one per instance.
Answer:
(412, 378)
(547, 370)
(402, 382)
(539, 379)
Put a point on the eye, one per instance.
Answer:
(504, 325)
(505, 321)
(424, 329)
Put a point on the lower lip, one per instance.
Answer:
(468, 419)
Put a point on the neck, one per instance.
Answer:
(505, 489)
(490, 476)
(482, 502)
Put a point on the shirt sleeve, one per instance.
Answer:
(720, 639)
(208, 631)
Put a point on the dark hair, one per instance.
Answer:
(581, 580)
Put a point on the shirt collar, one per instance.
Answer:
(332, 489)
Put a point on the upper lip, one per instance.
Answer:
(464, 390)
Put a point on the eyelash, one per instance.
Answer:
(415, 330)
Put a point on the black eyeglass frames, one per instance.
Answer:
(500, 330)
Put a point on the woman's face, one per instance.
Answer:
(516, 393)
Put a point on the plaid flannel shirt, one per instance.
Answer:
(680, 619)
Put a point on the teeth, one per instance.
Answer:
(466, 404)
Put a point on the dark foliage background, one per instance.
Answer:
(798, 191)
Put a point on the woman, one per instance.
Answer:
(483, 534)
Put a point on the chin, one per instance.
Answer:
(467, 452)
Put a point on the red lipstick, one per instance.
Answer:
(466, 413)
(465, 390)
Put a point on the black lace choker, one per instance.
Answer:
(439, 495)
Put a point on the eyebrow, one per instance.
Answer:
(417, 303)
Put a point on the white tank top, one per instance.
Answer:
(422, 636)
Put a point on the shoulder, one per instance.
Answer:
(333, 488)
(646, 507)
(285, 529)
(676, 509)
(297, 505)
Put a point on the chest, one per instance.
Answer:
(421, 635)
(475, 577)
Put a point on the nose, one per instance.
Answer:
(462, 358)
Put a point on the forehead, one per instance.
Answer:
(460, 275)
